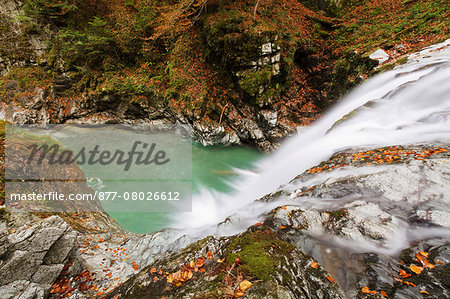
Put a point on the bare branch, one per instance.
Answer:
(256, 7)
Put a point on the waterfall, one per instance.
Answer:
(407, 105)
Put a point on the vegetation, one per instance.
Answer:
(201, 55)
(369, 24)
(259, 252)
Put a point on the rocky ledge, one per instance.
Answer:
(341, 229)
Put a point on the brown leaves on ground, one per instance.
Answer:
(386, 155)
(244, 285)
(64, 286)
(366, 290)
(424, 261)
(404, 274)
(416, 269)
(331, 279)
(235, 284)
(420, 257)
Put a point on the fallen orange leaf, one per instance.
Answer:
(200, 262)
(244, 285)
(425, 292)
(209, 255)
(398, 279)
(416, 269)
(331, 279)
(282, 227)
(169, 278)
(238, 294)
(366, 290)
(383, 293)
(404, 274)
(314, 265)
(425, 263)
(425, 254)
(153, 270)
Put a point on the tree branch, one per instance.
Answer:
(256, 7)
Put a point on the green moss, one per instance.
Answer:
(344, 118)
(2, 128)
(402, 60)
(27, 77)
(251, 80)
(390, 66)
(337, 215)
(259, 251)
(382, 25)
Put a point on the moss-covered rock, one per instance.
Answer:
(216, 267)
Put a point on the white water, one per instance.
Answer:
(411, 104)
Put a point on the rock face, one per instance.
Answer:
(349, 232)
(46, 106)
(223, 267)
(17, 49)
(367, 227)
(32, 258)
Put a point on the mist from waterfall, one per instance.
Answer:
(407, 105)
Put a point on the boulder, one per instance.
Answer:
(255, 263)
(34, 256)
(379, 55)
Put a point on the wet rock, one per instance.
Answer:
(362, 225)
(275, 269)
(379, 55)
(269, 118)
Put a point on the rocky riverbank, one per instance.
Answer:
(361, 243)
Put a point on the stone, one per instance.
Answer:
(47, 274)
(357, 223)
(276, 69)
(276, 58)
(35, 254)
(4, 244)
(379, 55)
(269, 118)
(11, 84)
(62, 83)
(291, 276)
(60, 250)
(19, 266)
(266, 48)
